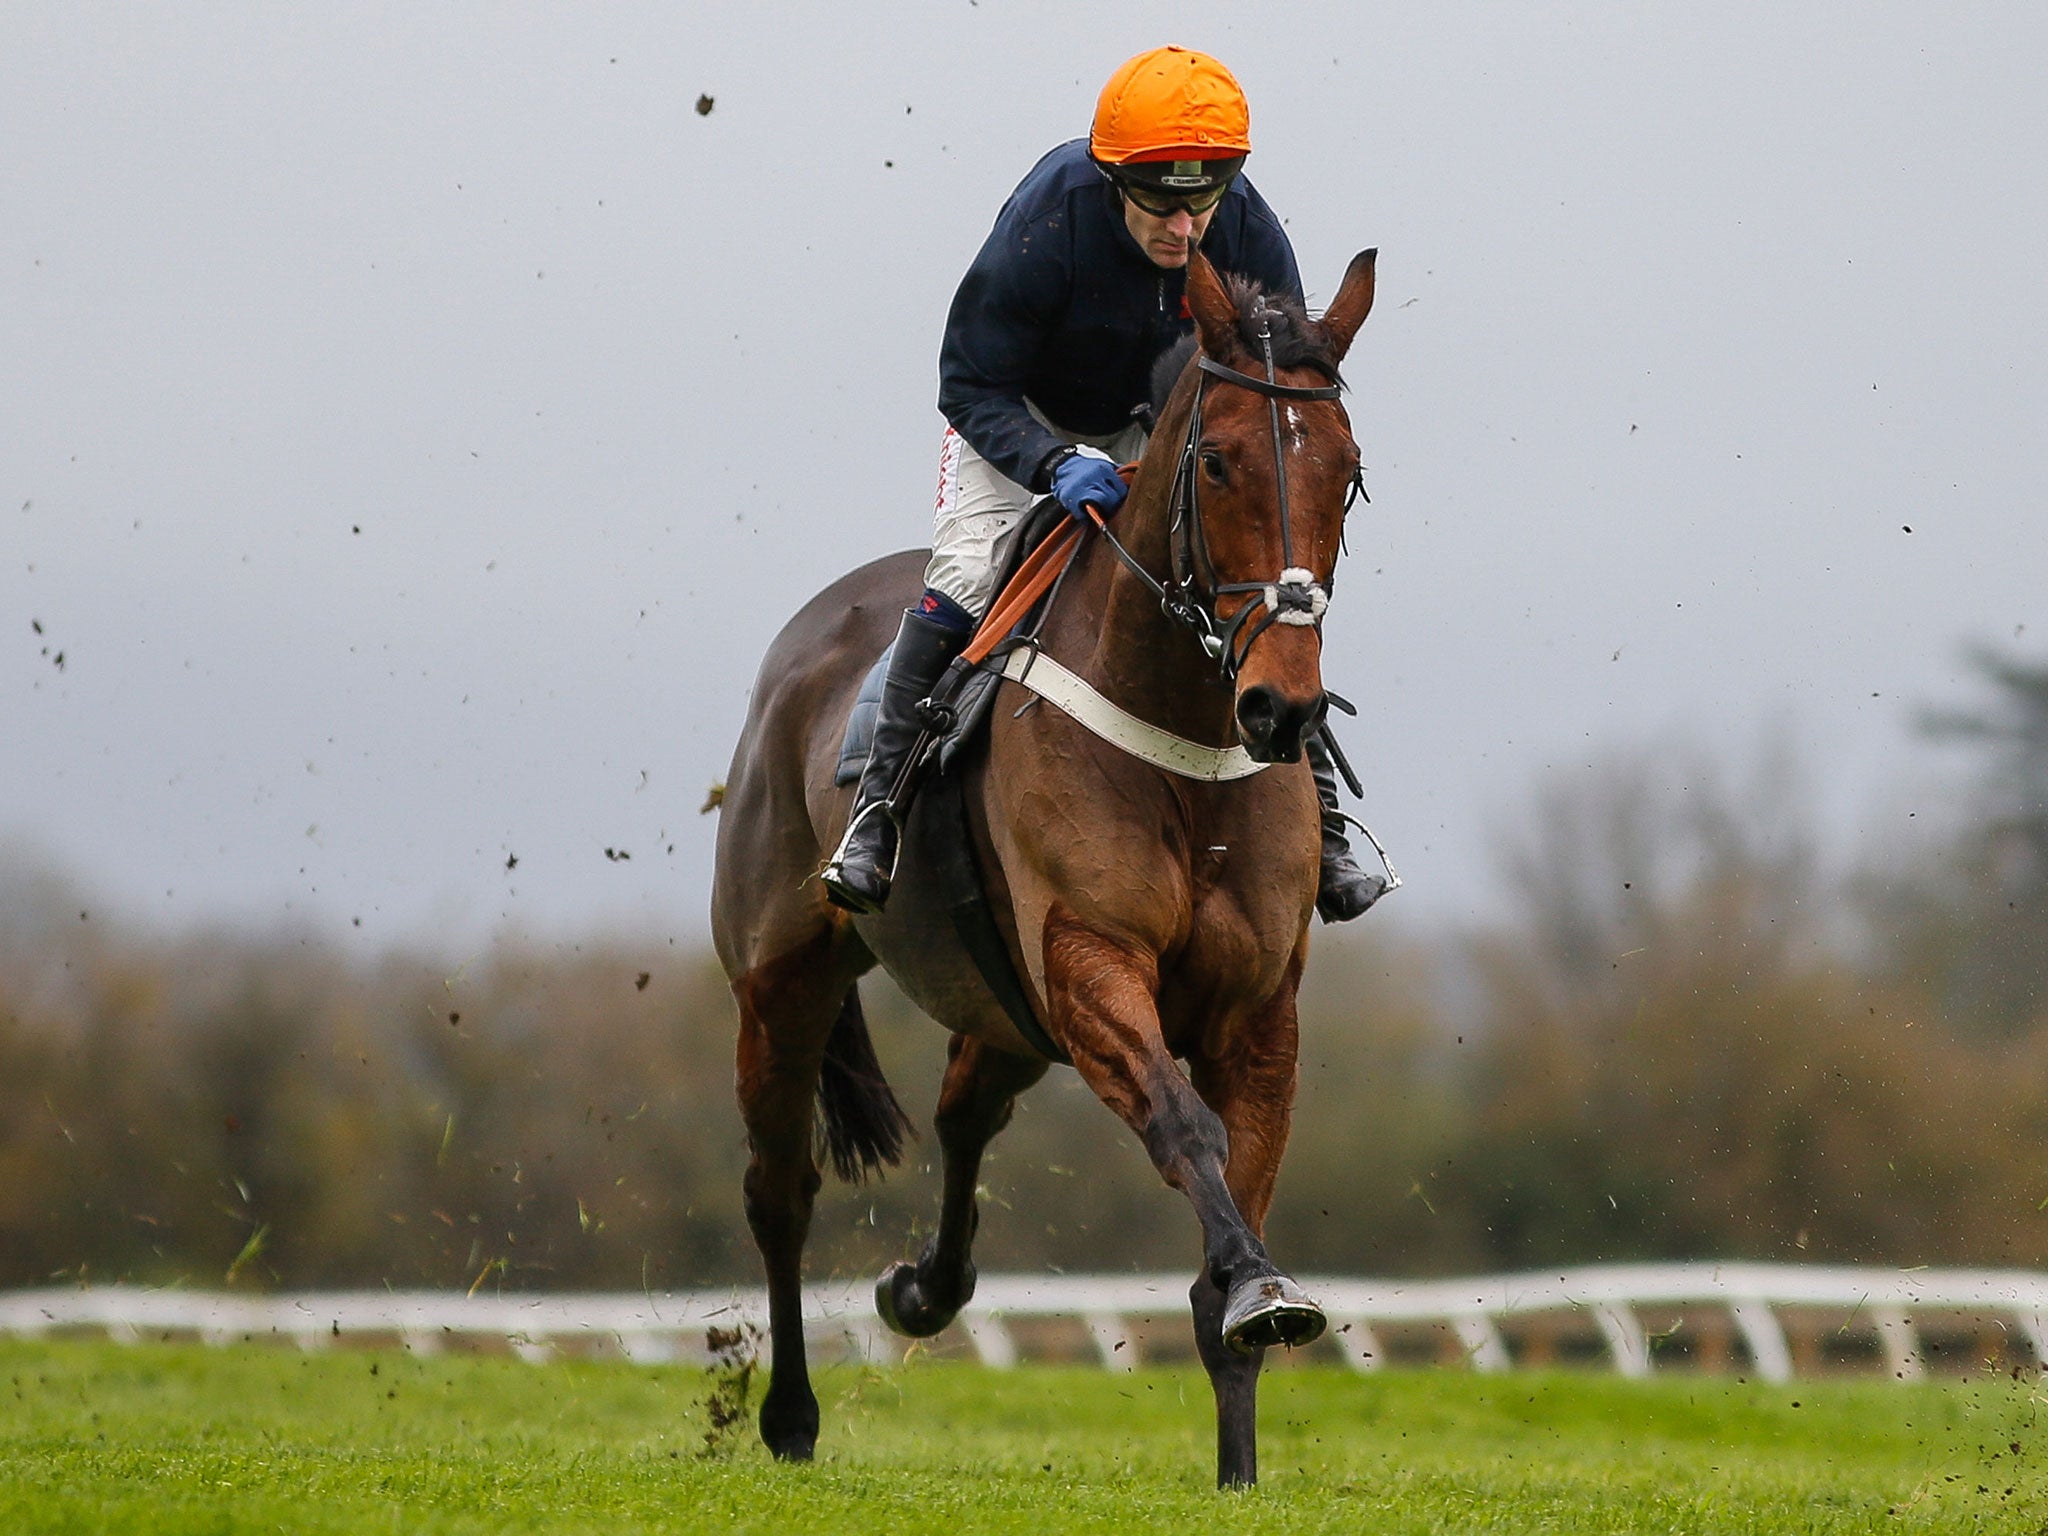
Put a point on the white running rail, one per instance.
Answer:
(1778, 1313)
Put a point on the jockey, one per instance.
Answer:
(1044, 374)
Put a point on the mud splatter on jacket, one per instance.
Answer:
(1063, 308)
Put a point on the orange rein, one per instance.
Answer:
(1038, 572)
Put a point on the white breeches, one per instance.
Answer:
(979, 508)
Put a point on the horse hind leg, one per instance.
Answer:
(975, 1101)
(802, 1038)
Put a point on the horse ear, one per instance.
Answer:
(1215, 316)
(1353, 303)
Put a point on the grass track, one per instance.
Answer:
(99, 1437)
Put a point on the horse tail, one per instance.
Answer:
(864, 1125)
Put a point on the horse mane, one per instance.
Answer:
(1298, 340)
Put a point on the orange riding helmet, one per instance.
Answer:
(1170, 104)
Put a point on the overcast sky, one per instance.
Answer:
(416, 420)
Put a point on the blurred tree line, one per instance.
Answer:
(1686, 1041)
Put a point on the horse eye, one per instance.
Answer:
(1212, 464)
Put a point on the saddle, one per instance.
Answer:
(955, 874)
(967, 696)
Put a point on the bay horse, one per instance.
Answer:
(1153, 917)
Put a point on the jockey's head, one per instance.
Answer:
(1171, 132)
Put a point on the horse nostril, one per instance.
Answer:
(1275, 728)
(1272, 725)
(1257, 715)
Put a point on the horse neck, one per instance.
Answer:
(1112, 626)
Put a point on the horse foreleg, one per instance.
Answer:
(975, 1101)
(1251, 1088)
(1102, 998)
(786, 1015)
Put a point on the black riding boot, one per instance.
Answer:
(1344, 890)
(858, 876)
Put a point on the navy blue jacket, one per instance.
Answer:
(1063, 307)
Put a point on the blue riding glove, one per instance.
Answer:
(1087, 476)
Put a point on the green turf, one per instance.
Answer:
(163, 1438)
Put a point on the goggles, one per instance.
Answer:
(1163, 187)
(1164, 204)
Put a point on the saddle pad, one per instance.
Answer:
(860, 725)
(970, 707)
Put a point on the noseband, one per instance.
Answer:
(1294, 596)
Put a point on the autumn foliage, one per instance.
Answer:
(1684, 1039)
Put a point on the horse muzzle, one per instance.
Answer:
(1273, 726)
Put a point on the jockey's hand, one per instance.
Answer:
(1088, 477)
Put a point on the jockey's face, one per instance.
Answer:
(1166, 239)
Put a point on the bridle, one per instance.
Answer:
(1189, 597)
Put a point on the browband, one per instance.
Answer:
(1272, 391)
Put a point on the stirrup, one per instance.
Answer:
(834, 873)
(1365, 889)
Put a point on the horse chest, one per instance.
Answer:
(1236, 950)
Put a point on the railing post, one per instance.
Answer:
(1901, 1344)
(1115, 1343)
(644, 1347)
(1361, 1345)
(1765, 1337)
(2035, 1326)
(993, 1345)
(1484, 1346)
(1626, 1341)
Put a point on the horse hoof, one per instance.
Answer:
(889, 1304)
(1270, 1309)
(789, 1428)
(904, 1307)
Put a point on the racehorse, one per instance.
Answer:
(1153, 917)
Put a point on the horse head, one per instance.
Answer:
(1265, 476)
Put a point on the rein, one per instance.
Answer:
(1293, 597)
